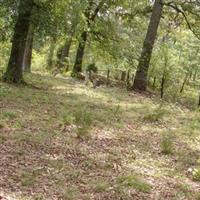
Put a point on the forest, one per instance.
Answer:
(99, 100)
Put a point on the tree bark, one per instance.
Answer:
(163, 80)
(184, 82)
(140, 82)
(128, 79)
(28, 51)
(123, 76)
(90, 18)
(14, 72)
(80, 53)
(51, 53)
(108, 77)
(199, 100)
(154, 83)
(65, 50)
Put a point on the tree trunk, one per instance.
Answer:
(184, 82)
(162, 85)
(154, 83)
(195, 74)
(90, 18)
(140, 82)
(14, 69)
(123, 76)
(28, 51)
(108, 77)
(65, 50)
(128, 79)
(80, 53)
(51, 53)
(199, 100)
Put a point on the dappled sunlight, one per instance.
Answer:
(74, 134)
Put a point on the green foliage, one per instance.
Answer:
(92, 68)
(196, 174)
(197, 196)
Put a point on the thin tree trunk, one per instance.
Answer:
(123, 76)
(162, 85)
(90, 18)
(140, 82)
(65, 52)
(66, 49)
(184, 82)
(154, 83)
(14, 70)
(51, 53)
(28, 51)
(108, 77)
(199, 100)
(128, 79)
(195, 74)
(80, 53)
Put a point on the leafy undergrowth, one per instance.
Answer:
(60, 139)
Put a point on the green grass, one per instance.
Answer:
(167, 144)
(10, 115)
(134, 182)
(101, 187)
(28, 179)
(62, 139)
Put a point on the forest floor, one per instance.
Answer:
(60, 139)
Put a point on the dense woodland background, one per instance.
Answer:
(108, 36)
(99, 99)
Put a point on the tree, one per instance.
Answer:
(14, 70)
(90, 18)
(28, 50)
(140, 82)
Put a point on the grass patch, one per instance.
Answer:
(83, 120)
(10, 114)
(133, 182)
(123, 142)
(28, 179)
(166, 144)
(101, 187)
(155, 114)
(70, 193)
(68, 118)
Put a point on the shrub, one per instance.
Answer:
(92, 68)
